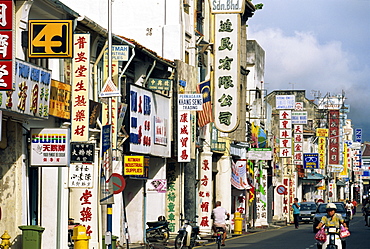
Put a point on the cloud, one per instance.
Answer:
(300, 59)
(304, 62)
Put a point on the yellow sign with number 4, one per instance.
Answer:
(50, 38)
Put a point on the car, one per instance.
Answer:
(321, 211)
(305, 211)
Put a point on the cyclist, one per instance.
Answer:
(218, 215)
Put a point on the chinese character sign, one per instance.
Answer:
(81, 176)
(6, 45)
(285, 132)
(334, 137)
(226, 83)
(50, 147)
(184, 135)
(80, 88)
(205, 193)
(149, 117)
(298, 144)
(31, 94)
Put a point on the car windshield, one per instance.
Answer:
(322, 208)
(307, 207)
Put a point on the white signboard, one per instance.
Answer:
(184, 134)
(285, 102)
(227, 6)
(227, 72)
(190, 102)
(148, 111)
(299, 117)
(50, 147)
(259, 154)
(119, 53)
(81, 175)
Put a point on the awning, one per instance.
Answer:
(313, 176)
(341, 183)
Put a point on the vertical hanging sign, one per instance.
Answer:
(80, 88)
(285, 133)
(6, 45)
(334, 137)
(227, 71)
(184, 135)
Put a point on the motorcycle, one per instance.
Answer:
(333, 240)
(158, 231)
(187, 234)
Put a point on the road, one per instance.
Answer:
(290, 238)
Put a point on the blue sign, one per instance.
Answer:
(310, 160)
(358, 135)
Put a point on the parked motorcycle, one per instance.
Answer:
(333, 240)
(158, 231)
(187, 234)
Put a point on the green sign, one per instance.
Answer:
(159, 84)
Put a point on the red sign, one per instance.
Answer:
(119, 183)
(6, 45)
(281, 190)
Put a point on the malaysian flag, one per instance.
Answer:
(205, 116)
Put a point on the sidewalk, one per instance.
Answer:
(204, 238)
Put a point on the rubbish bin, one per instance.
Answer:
(114, 242)
(31, 236)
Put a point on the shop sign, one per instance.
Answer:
(227, 73)
(184, 135)
(50, 147)
(81, 176)
(259, 154)
(149, 110)
(310, 160)
(50, 38)
(80, 88)
(6, 45)
(227, 6)
(32, 92)
(321, 132)
(82, 152)
(60, 99)
(133, 165)
(190, 102)
(159, 84)
(285, 101)
(119, 53)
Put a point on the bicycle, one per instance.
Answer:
(220, 233)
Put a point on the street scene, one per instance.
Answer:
(184, 124)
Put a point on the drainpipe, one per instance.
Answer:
(150, 72)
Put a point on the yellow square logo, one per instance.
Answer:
(50, 38)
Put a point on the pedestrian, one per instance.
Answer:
(354, 202)
(219, 216)
(349, 207)
(296, 210)
(304, 200)
(365, 211)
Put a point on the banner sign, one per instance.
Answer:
(190, 102)
(50, 147)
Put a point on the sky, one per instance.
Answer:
(321, 46)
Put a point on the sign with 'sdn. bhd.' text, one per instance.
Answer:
(134, 165)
